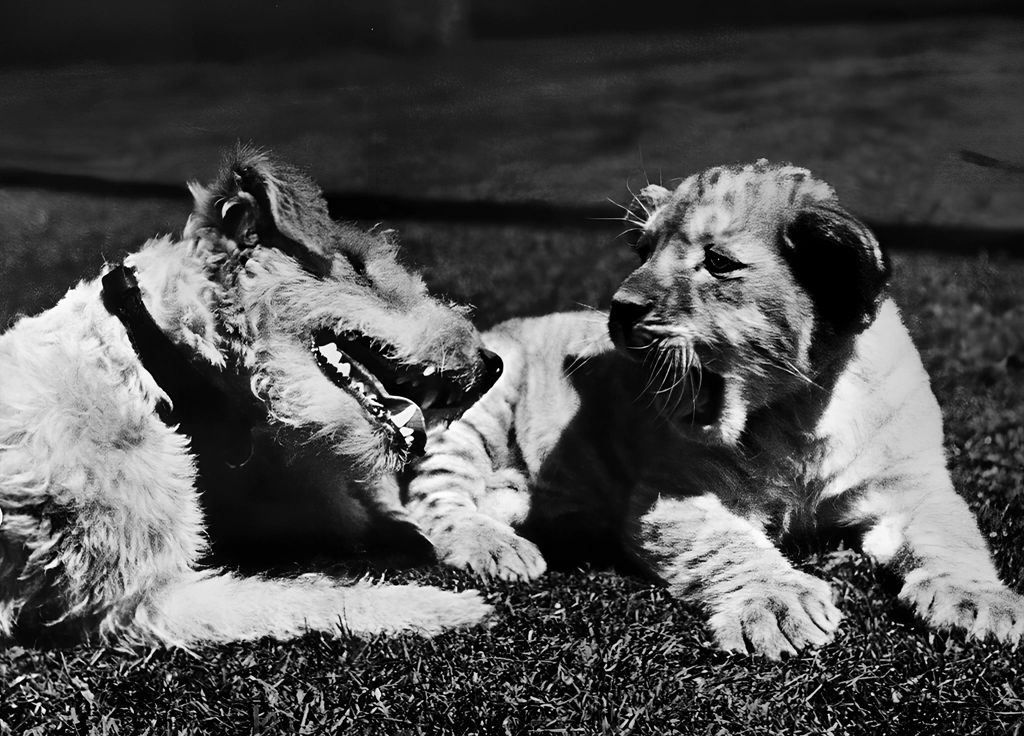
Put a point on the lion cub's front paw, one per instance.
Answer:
(776, 617)
(487, 547)
(982, 609)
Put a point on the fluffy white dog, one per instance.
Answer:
(275, 360)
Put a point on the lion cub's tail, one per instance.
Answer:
(216, 607)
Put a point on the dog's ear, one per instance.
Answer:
(256, 201)
(837, 260)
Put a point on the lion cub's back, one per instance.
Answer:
(540, 356)
(553, 336)
(577, 425)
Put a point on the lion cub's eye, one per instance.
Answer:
(718, 264)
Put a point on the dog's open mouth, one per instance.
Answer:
(395, 394)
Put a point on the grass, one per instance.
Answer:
(584, 651)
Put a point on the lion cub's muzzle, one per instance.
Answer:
(624, 321)
(679, 383)
(395, 394)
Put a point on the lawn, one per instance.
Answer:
(581, 651)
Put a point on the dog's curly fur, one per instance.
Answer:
(102, 531)
(758, 381)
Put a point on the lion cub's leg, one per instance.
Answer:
(466, 507)
(756, 599)
(926, 531)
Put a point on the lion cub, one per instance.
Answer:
(756, 380)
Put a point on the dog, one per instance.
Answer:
(276, 363)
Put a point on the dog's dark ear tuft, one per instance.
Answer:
(239, 216)
(257, 201)
(837, 260)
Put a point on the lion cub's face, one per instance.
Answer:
(753, 282)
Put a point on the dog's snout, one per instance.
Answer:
(628, 309)
(493, 367)
(461, 395)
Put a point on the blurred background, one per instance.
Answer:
(494, 134)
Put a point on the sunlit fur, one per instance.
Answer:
(102, 532)
(826, 421)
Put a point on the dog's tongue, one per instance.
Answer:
(405, 416)
(408, 419)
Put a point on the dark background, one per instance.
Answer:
(508, 115)
(435, 108)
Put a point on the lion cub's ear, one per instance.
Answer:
(837, 260)
(256, 201)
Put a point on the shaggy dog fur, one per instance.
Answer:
(757, 382)
(267, 300)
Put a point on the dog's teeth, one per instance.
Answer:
(331, 352)
(402, 418)
(224, 210)
(429, 370)
(344, 368)
(406, 433)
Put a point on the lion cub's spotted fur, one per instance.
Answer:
(756, 380)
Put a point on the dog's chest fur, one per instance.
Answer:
(78, 420)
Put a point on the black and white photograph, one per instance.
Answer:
(415, 367)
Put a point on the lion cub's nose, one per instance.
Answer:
(628, 309)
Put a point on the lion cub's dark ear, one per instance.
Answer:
(837, 260)
(256, 201)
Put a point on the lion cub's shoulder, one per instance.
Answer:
(882, 405)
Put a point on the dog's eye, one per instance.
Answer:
(718, 264)
(357, 263)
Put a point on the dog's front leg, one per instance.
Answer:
(755, 598)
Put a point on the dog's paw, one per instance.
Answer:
(982, 609)
(776, 617)
(487, 547)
